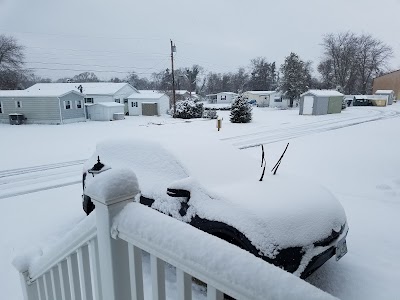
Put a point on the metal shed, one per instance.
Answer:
(389, 93)
(104, 111)
(321, 102)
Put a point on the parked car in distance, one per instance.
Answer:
(252, 102)
(285, 220)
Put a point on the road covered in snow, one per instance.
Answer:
(354, 154)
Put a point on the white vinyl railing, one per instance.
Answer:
(101, 259)
(69, 270)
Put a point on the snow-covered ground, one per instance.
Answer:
(353, 153)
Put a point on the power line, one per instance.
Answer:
(87, 36)
(101, 66)
(86, 70)
(104, 51)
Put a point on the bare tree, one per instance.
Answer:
(11, 63)
(86, 77)
(341, 50)
(11, 54)
(372, 58)
(351, 61)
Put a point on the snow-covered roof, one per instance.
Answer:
(36, 93)
(227, 93)
(323, 93)
(182, 92)
(384, 92)
(91, 88)
(261, 92)
(109, 104)
(362, 97)
(144, 94)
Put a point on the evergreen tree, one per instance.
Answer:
(240, 111)
(296, 77)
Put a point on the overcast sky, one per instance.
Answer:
(113, 37)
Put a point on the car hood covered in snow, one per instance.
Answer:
(281, 211)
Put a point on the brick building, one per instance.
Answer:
(390, 81)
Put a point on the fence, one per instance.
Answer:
(101, 259)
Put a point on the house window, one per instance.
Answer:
(125, 100)
(67, 104)
(117, 100)
(278, 99)
(78, 103)
(223, 97)
(1, 107)
(88, 100)
(134, 104)
(18, 104)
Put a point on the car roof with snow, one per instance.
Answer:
(280, 211)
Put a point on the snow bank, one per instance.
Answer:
(209, 258)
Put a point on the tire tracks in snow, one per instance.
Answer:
(21, 181)
(270, 136)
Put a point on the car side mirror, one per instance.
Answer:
(178, 193)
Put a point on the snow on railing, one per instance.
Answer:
(108, 265)
(68, 270)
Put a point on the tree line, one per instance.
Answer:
(349, 64)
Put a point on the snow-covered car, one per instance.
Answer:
(286, 220)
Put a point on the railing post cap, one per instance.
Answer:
(113, 186)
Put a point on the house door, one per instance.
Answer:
(308, 105)
(126, 107)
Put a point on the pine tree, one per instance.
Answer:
(296, 77)
(240, 111)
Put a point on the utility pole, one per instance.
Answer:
(173, 49)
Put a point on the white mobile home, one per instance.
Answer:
(148, 103)
(226, 97)
(95, 92)
(263, 98)
(279, 101)
(42, 107)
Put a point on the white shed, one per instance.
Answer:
(148, 103)
(105, 111)
(389, 93)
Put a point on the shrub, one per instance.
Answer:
(188, 109)
(241, 111)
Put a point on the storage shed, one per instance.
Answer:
(105, 111)
(321, 102)
(389, 93)
(148, 103)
